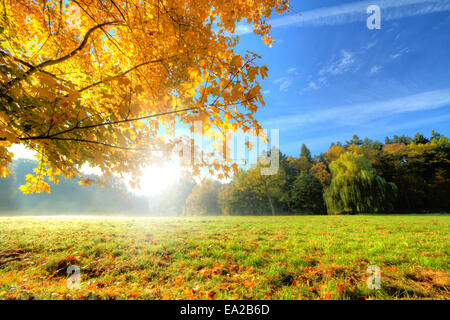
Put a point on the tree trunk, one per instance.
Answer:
(271, 204)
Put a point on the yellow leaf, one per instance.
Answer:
(4, 172)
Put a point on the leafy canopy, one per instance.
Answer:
(98, 88)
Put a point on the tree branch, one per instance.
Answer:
(47, 63)
(41, 137)
(124, 73)
(79, 48)
(30, 66)
(90, 141)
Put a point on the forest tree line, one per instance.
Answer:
(403, 174)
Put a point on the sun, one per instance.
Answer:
(155, 179)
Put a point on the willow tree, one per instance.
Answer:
(97, 82)
(356, 188)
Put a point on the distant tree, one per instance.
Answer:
(333, 153)
(307, 194)
(421, 173)
(290, 167)
(371, 145)
(402, 139)
(67, 196)
(174, 198)
(269, 187)
(356, 187)
(420, 139)
(354, 148)
(355, 140)
(320, 171)
(8, 192)
(204, 199)
(304, 152)
(435, 135)
(253, 193)
(239, 198)
(303, 165)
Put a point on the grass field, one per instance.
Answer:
(299, 257)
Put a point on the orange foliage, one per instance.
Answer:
(95, 82)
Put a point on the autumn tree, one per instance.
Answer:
(320, 171)
(239, 198)
(333, 153)
(97, 82)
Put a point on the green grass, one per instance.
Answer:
(298, 257)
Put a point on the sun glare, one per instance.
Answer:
(155, 179)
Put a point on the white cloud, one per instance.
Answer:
(366, 113)
(399, 53)
(340, 65)
(356, 12)
(371, 45)
(345, 62)
(284, 83)
(312, 86)
(375, 69)
(292, 71)
(266, 92)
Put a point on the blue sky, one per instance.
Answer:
(330, 76)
